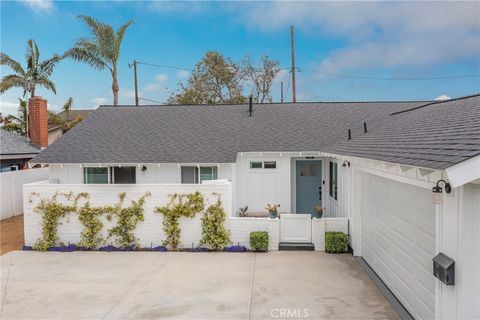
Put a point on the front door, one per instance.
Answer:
(308, 185)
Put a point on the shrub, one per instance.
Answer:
(259, 241)
(335, 242)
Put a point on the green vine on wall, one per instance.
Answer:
(180, 205)
(214, 234)
(89, 217)
(51, 211)
(127, 220)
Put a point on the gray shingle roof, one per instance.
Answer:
(12, 143)
(215, 134)
(435, 135)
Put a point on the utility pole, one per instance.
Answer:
(135, 78)
(292, 45)
(281, 91)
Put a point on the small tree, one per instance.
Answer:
(260, 76)
(214, 233)
(214, 80)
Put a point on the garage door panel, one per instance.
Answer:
(398, 240)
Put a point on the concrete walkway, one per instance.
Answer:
(140, 285)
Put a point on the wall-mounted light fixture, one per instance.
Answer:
(346, 163)
(144, 168)
(438, 191)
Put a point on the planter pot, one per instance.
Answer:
(317, 215)
(273, 214)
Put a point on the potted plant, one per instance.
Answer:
(272, 210)
(318, 212)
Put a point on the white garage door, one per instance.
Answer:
(398, 240)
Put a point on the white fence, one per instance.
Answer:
(11, 189)
(150, 231)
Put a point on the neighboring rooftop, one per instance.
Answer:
(436, 135)
(75, 113)
(14, 144)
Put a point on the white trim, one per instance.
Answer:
(17, 156)
(464, 172)
(411, 181)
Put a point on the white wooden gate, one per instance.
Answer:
(295, 228)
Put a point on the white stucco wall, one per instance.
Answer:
(11, 200)
(149, 232)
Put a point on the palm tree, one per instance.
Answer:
(67, 107)
(37, 73)
(101, 50)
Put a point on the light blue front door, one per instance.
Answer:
(308, 185)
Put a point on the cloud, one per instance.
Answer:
(100, 101)
(161, 77)
(39, 6)
(7, 107)
(159, 83)
(376, 34)
(442, 97)
(182, 74)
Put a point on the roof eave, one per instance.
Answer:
(464, 172)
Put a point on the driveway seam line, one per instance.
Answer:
(6, 285)
(252, 292)
(130, 287)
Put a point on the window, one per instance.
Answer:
(263, 164)
(333, 183)
(95, 175)
(308, 169)
(270, 165)
(208, 173)
(256, 164)
(189, 174)
(122, 175)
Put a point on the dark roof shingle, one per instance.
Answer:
(12, 144)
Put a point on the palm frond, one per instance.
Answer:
(68, 104)
(14, 65)
(46, 83)
(119, 38)
(83, 54)
(47, 66)
(13, 81)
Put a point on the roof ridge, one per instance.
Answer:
(259, 104)
(435, 102)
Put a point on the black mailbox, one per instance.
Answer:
(444, 269)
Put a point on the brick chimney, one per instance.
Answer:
(38, 121)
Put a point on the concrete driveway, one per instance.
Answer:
(141, 285)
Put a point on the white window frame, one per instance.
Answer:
(263, 169)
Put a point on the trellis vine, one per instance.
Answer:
(51, 211)
(214, 233)
(180, 205)
(127, 220)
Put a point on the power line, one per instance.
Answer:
(150, 100)
(163, 66)
(393, 79)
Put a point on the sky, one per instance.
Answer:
(366, 43)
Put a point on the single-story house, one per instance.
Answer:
(15, 151)
(404, 175)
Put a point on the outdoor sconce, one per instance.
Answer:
(438, 191)
(144, 168)
(346, 164)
